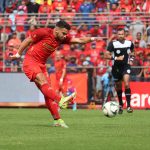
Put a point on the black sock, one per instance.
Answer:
(119, 93)
(128, 96)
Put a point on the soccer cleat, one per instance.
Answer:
(64, 106)
(59, 123)
(120, 110)
(129, 110)
(66, 99)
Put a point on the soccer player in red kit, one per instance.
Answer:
(60, 71)
(42, 43)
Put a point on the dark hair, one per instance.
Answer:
(120, 29)
(63, 24)
(138, 33)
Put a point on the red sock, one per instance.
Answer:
(49, 92)
(53, 108)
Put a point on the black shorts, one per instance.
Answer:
(119, 71)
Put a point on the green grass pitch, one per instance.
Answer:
(30, 129)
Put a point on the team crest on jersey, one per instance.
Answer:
(129, 71)
(118, 51)
(128, 51)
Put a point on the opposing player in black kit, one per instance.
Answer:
(121, 51)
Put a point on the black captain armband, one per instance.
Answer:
(132, 57)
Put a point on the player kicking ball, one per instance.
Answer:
(41, 44)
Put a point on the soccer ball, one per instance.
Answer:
(110, 109)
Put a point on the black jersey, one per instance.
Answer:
(118, 49)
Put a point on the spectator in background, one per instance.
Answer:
(101, 69)
(20, 21)
(10, 5)
(11, 66)
(101, 5)
(147, 32)
(68, 14)
(113, 32)
(128, 36)
(108, 84)
(113, 1)
(75, 5)
(93, 52)
(42, 17)
(136, 73)
(137, 25)
(72, 65)
(42, 1)
(5, 27)
(123, 19)
(114, 10)
(127, 4)
(147, 50)
(137, 48)
(2, 8)
(83, 30)
(14, 41)
(146, 6)
(138, 4)
(32, 6)
(85, 8)
(96, 31)
(60, 5)
(73, 31)
(23, 6)
(142, 42)
(44, 8)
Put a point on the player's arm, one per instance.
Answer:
(132, 55)
(62, 76)
(84, 40)
(36, 36)
(22, 47)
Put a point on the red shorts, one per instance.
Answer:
(31, 68)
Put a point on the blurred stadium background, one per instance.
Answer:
(93, 18)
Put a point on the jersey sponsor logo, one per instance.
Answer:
(118, 51)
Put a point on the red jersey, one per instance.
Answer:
(44, 44)
(60, 65)
(101, 64)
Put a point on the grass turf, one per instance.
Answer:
(29, 129)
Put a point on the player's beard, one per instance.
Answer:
(121, 39)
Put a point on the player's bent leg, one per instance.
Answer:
(45, 88)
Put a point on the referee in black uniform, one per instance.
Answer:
(121, 51)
